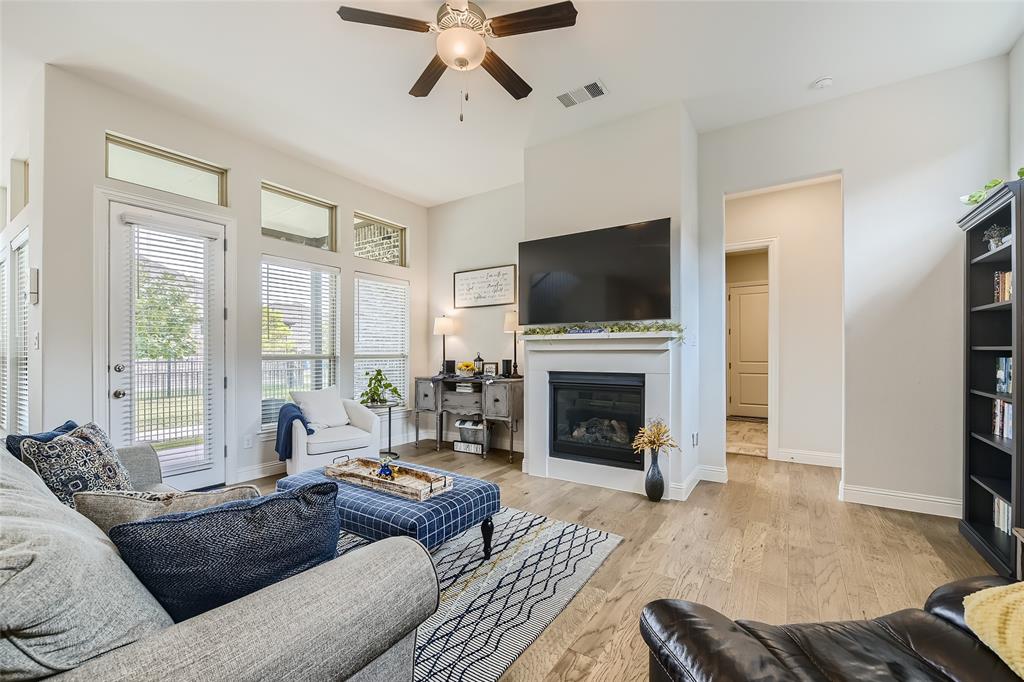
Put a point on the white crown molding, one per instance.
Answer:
(814, 457)
(898, 499)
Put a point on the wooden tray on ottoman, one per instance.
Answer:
(411, 484)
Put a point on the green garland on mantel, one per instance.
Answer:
(607, 328)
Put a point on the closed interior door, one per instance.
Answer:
(748, 350)
(166, 353)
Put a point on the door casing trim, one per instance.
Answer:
(102, 198)
(774, 404)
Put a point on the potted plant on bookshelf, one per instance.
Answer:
(654, 437)
(995, 235)
(378, 390)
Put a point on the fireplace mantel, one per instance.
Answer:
(603, 341)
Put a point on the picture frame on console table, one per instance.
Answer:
(484, 287)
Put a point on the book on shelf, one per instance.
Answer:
(1003, 282)
(1002, 515)
(464, 387)
(1002, 418)
(1004, 375)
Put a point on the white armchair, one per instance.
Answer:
(359, 438)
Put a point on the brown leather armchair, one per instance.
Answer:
(692, 643)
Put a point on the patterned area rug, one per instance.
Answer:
(493, 609)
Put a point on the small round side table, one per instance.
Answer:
(390, 404)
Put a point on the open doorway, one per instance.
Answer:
(784, 310)
(747, 342)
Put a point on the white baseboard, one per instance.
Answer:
(821, 459)
(897, 499)
(701, 472)
(251, 473)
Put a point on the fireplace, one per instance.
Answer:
(595, 416)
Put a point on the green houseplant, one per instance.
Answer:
(378, 389)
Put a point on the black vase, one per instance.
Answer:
(654, 483)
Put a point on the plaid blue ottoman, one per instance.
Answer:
(376, 515)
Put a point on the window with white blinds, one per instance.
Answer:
(381, 331)
(299, 331)
(5, 375)
(19, 353)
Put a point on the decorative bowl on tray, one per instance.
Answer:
(465, 369)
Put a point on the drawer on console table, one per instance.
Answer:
(425, 396)
(496, 400)
(466, 403)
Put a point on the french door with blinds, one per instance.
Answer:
(166, 341)
(19, 343)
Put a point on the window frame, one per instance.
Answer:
(332, 210)
(403, 254)
(266, 258)
(406, 402)
(167, 155)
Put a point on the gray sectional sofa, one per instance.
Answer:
(70, 608)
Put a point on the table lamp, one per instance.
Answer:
(512, 327)
(442, 327)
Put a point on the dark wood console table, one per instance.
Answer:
(494, 399)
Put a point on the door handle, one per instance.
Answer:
(118, 394)
(119, 368)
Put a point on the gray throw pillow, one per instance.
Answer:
(65, 594)
(109, 508)
(84, 459)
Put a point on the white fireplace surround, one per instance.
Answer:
(653, 354)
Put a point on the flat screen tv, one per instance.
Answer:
(607, 275)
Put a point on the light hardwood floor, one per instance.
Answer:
(773, 544)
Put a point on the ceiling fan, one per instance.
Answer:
(461, 28)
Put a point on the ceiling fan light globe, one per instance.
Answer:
(461, 48)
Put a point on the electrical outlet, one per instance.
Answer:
(247, 442)
(694, 438)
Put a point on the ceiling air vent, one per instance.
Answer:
(582, 94)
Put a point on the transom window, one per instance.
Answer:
(378, 240)
(298, 331)
(295, 217)
(381, 331)
(168, 171)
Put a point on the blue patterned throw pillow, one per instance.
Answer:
(196, 561)
(76, 462)
(14, 441)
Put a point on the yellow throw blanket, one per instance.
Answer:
(996, 616)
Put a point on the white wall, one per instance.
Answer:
(906, 153)
(477, 232)
(807, 221)
(78, 113)
(1016, 108)
(637, 168)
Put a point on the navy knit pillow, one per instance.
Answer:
(14, 441)
(196, 561)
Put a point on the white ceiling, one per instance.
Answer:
(294, 76)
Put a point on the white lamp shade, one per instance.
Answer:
(443, 326)
(511, 322)
(461, 48)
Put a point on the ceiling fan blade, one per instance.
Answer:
(365, 16)
(428, 79)
(503, 73)
(559, 15)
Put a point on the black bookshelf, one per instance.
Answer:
(992, 330)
